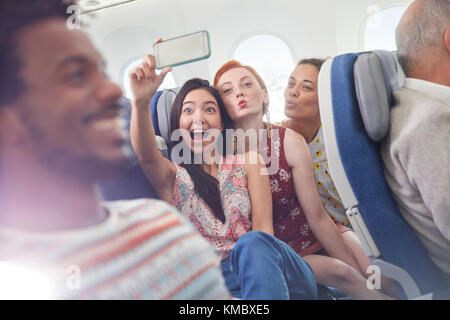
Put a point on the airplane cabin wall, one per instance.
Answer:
(310, 28)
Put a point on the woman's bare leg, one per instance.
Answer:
(352, 241)
(332, 272)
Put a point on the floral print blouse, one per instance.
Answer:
(236, 204)
(325, 184)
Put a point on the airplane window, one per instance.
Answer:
(168, 83)
(380, 27)
(274, 61)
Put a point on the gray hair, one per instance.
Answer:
(425, 29)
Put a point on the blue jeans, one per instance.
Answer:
(262, 267)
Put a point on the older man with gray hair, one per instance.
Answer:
(416, 154)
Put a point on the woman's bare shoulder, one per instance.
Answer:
(295, 146)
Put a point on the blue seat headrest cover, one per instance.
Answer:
(376, 76)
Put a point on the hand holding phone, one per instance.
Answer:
(144, 80)
(181, 50)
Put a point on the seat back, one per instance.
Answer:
(164, 108)
(351, 129)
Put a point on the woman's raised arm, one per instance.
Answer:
(159, 171)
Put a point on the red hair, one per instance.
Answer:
(232, 64)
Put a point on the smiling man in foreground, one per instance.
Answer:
(60, 135)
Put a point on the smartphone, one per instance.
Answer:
(181, 50)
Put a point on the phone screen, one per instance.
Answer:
(188, 48)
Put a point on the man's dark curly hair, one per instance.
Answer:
(14, 16)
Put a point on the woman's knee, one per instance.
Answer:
(255, 240)
(255, 246)
(344, 274)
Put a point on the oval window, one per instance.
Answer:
(379, 32)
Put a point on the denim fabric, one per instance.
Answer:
(262, 267)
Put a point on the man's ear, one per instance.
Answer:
(11, 127)
(447, 39)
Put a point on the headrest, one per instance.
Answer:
(154, 111)
(164, 108)
(376, 76)
(125, 114)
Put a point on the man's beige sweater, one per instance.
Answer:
(416, 156)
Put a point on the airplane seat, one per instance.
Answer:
(163, 107)
(133, 184)
(355, 98)
(154, 111)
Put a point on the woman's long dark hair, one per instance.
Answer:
(206, 185)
